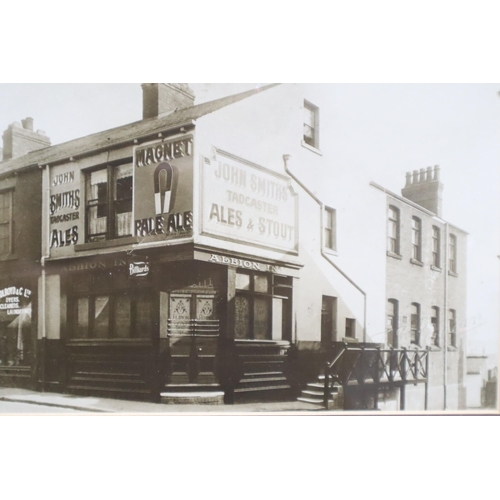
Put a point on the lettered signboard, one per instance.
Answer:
(244, 202)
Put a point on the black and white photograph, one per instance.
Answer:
(274, 248)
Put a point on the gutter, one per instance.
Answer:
(286, 159)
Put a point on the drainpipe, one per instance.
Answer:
(286, 159)
(445, 315)
(45, 255)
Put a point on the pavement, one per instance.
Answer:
(41, 401)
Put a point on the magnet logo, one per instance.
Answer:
(163, 177)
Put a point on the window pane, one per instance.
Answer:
(261, 283)
(122, 317)
(82, 318)
(101, 317)
(123, 200)
(242, 323)
(144, 317)
(242, 281)
(262, 315)
(97, 208)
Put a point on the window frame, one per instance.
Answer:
(110, 203)
(435, 323)
(452, 328)
(452, 259)
(350, 328)
(393, 341)
(330, 231)
(415, 332)
(436, 247)
(396, 223)
(9, 222)
(311, 142)
(416, 234)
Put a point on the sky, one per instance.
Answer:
(381, 130)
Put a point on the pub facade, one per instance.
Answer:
(184, 254)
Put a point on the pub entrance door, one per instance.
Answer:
(193, 334)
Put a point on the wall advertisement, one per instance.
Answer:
(243, 202)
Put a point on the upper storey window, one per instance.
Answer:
(436, 247)
(393, 230)
(6, 223)
(330, 224)
(311, 125)
(109, 203)
(416, 238)
(453, 254)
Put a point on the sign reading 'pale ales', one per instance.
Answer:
(244, 202)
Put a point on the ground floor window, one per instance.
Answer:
(262, 306)
(16, 331)
(123, 315)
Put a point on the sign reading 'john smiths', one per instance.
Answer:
(247, 203)
(163, 186)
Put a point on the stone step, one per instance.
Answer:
(192, 398)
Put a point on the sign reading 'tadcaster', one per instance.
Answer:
(244, 202)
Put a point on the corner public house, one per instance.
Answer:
(162, 264)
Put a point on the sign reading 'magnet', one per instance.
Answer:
(163, 185)
(244, 202)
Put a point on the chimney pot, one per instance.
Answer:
(429, 174)
(415, 177)
(437, 170)
(422, 175)
(408, 179)
(28, 123)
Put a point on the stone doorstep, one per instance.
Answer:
(203, 398)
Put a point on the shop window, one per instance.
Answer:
(16, 342)
(453, 254)
(121, 315)
(416, 239)
(452, 328)
(415, 324)
(435, 326)
(350, 328)
(109, 203)
(260, 299)
(311, 125)
(330, 224)
(393, 230)
(6, 223)
(392, 322)
(436, 247)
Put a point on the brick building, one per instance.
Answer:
(193, 251)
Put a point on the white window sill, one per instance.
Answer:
(330, 251)
(394, 255)
(312, 148)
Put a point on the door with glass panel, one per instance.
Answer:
(193, 332)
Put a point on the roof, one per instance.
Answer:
(416, 206)
(125, 133)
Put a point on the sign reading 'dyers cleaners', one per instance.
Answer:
(163, 186)
(245, 202)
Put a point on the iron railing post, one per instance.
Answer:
(326, 395)
(427, 355)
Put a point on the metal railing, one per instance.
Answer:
(375, 366)
(193, 327)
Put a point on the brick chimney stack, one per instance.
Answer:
(162, 98)
(20, 139)
(425, 188)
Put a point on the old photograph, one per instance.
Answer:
(217, 248)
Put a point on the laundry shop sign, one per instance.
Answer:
(246, 203)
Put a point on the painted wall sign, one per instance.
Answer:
(243, 263)
(244, 202)
(163, 189)
(13, 300)
(65, 201)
